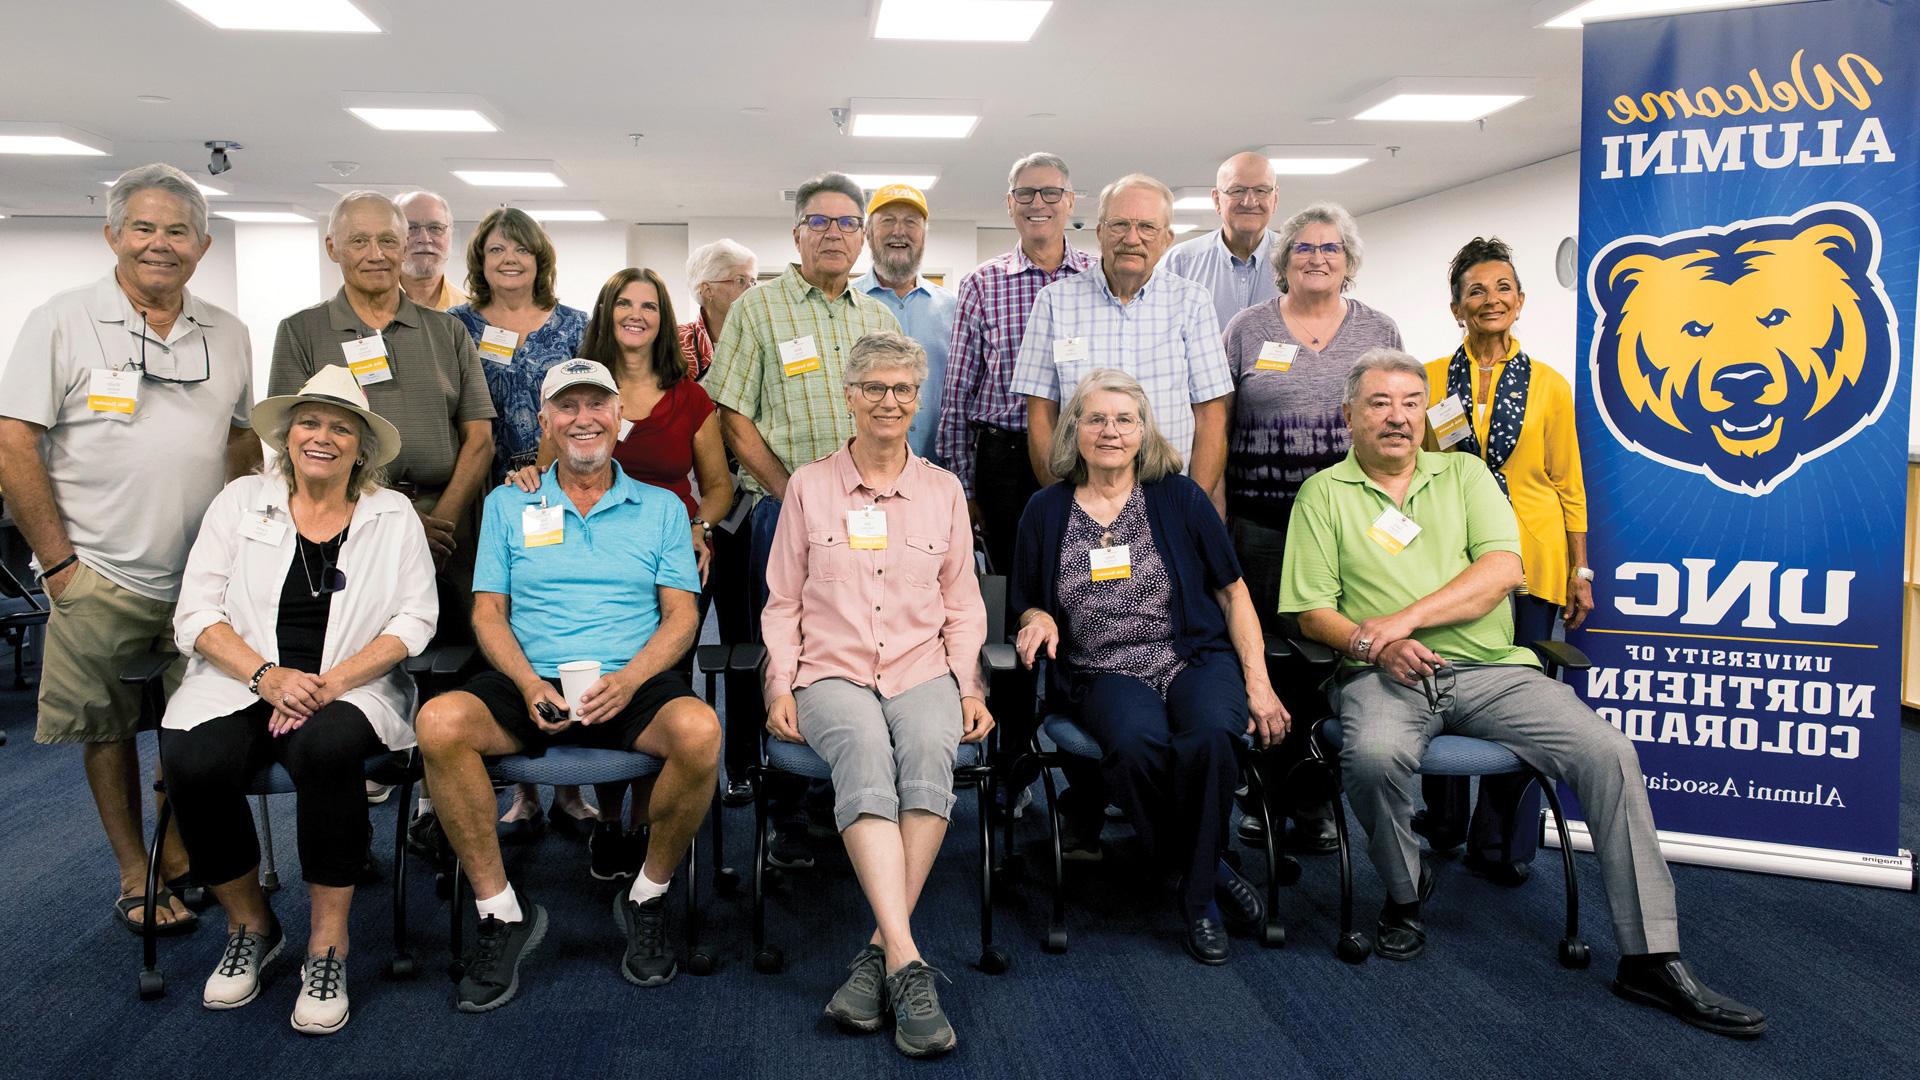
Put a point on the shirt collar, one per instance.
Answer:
(623, 489)
(848, 474)
(109, 304)
(1260, 253)
(1146, 287)
(799, 288)
(1425, 465)
(341, 316)
(1513, 349)
(870, 283)
(273, 496)
(1076, 260)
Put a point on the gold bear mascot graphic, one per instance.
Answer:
(1742, 352)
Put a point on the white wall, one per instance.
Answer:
(1409, 246)
(278, 276)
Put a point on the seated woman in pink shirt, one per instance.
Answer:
(873, 628)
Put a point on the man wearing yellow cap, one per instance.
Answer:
(896, 241)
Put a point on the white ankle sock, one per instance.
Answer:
(645, 888)
(505, 906)
(423, 805)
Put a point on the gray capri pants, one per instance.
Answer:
(887, 754)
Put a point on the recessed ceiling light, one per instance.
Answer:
(1455, 99)
(1182, 228)
(424, 119)
(552, 214)
(1302, 160)
(152, 99)
(264, 217)
(1193, 202)
(911, 118)
(507, 172)
(958, 20)
(872, 178)
(208, 190)
(315, 16)
(1322, 121)
(49, 139)
(1572, 15)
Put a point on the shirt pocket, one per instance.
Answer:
(827, 558)
(925, 555)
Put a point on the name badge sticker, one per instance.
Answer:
(543, 526)
(115, 393)
(262, 528)
(1070, 350)
(498, 344)
(1393, 530)
(799, 356)
(1110, 563)
(867, 529)
(1448, 421)
(367, 359)
(1276, 356)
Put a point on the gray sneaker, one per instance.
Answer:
(920, 1028)
(236, 980)
(861, 1002)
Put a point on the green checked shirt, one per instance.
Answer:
(802, 416)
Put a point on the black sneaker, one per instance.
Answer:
(920, 1028)
(428, 840)
(614, 854)
(648, 961)
(493, 964)
(1080, 842)
(788, 848)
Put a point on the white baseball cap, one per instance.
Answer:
(577, 372)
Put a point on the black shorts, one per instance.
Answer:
(509, 709)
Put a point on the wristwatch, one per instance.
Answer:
(1584, 573)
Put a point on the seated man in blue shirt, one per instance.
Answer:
(593, 567)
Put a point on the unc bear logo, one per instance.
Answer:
(1741, 352)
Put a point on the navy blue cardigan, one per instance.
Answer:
(1193, 544)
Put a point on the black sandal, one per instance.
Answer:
(131, 907)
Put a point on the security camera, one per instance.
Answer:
(218, 163)
(1079, 224)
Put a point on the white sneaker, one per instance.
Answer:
(236, 980)
(321, 1008)
(378, 792)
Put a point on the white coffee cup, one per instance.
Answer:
(575, 677)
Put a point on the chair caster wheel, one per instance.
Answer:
(153, 985)
(1354, 947)
(726, 881)
(769, 961)
(994, 960)
(1273, 936)
(1286, 871)
(700, 963)
(402, 966)
(1056, 941)
(1574, 954)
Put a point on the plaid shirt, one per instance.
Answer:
(988, 323)
(1165, 336)
(802, 417)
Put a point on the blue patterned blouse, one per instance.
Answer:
(515, 384)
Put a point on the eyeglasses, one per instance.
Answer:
(332, 578)
(140, 365)
(435, 230)
(1124, 424)
(904, 393)
(1118, 228)
(1239, 192)
(1049, 195)
(851, 223)
(1306, 251)
(1438, 688)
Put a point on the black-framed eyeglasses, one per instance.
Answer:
(1306, 250)
(140, 365)
(1048, 195)
(849, 223)
(904, 393)
(1238, 192)
(331, 578)
(1438, 688)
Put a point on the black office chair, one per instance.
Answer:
(22, 612)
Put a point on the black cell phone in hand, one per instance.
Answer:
(550, 712)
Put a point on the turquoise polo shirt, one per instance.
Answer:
(1331, 562)
(593, 595)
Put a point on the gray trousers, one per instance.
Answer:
(1386, 728)
(887, 754)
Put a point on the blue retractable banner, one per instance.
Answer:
(1750, 233)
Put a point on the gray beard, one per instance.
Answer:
(895, 270)
(422, 267)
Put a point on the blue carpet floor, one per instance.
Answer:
(1832, 964)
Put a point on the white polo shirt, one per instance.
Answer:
(131, 487)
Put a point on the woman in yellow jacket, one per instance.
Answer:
(1490, 399)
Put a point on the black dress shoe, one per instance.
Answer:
(1441, 841)
(1252, 831)
(1672, 986)
(1499, 872)
(1207, 940)
(1399, 937)
(1314, 836)
(738, 793)
(1239, 902)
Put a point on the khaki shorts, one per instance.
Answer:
(95, 629)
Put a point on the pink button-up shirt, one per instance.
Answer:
(889, 618)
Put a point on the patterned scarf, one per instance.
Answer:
(1509, 409)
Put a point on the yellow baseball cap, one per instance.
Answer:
(894, 193)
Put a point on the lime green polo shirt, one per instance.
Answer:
(1331, 562)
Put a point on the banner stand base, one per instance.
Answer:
(1851, 867)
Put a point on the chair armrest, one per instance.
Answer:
(1313, 652)
(146, 668)
(440, 660)
(999, 658)
(748, 657)
(1277, 647)
(1559, 654)
(712, 657)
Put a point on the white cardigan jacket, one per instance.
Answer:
(236, 580)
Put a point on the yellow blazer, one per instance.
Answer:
(1543, 473)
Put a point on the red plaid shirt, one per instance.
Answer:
(697, 346)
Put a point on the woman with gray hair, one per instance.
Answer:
(873, 627)
(717, 273)
(308, 585)
(1125, 579)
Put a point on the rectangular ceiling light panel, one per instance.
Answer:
(1572, 16)
(263, 217)
(42, 140)
(958, 20)
(311, 16)
(424, 119)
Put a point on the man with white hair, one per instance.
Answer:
(124, 409)
(897, 241)
(419, 369)
(1235, 262)
(429, 239)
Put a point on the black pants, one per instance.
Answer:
(1503, 825)
(727, 584)
(1260, 550)
(207, 769)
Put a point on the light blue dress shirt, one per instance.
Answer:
(926, 316)
(1236, 284)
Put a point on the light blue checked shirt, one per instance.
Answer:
(926, 316)
(1165, 337)
(1236, 284)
